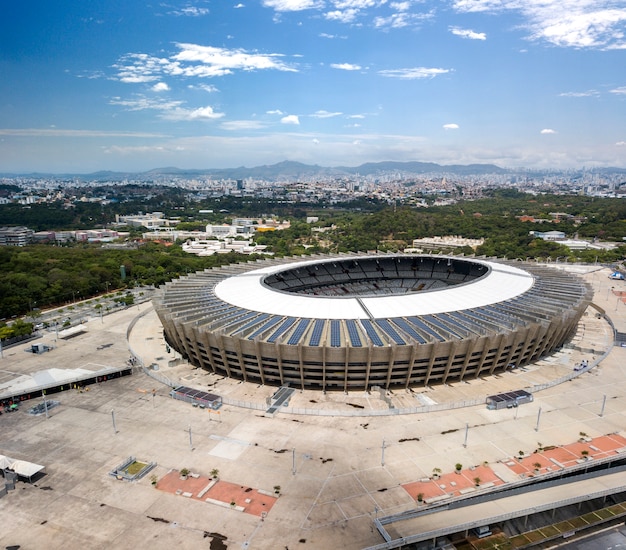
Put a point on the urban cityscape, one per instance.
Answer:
(313, 274)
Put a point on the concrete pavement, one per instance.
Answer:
(336, 473)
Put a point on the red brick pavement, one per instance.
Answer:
(251, 500)
(550, 459)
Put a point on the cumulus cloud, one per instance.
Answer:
(194, 60)
(546, 131)
(346, 66)
(290, 119)
(275, 112)
(160, 87)
(218, 61)
(466, 33)
(413, 73)
(238, 6)
(451, 126)
(568, 23)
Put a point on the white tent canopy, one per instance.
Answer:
(20, 467)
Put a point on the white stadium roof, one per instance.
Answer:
(502, 282)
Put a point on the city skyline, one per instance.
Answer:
(332, 82)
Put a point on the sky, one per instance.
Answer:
(136, 85)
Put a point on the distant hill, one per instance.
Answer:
(293, 170)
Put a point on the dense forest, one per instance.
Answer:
(41, 276)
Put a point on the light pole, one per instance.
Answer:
(382, 458)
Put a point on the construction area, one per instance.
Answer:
(373, 469)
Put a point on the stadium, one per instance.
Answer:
(353, 322)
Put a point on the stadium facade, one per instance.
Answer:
(351, 322)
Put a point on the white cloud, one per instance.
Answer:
(619, 91)
(57, 132)
(141, 103)
(466, 33)
(219, 61)
(242, 125)
(292, 5)
(316, 141)
(290, 119)
(325, 114)
(275, 112)
(356, 116)
(239, 6)
(451, 126)
(346, 66)
(201, 113)
(401, 19)
(621, 143)
(193, 60)
(332, 36)
(384, 14)
(567, 23)
(343, 16)
(169, 110)
(190, 11)
(160, 87)
(206, 87)
(546, 131)
(590, 93)
(413, 73)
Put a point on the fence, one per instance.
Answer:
(365, 413)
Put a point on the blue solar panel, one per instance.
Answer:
(371, 332)
(386, 326)
(481, 320)
(335, 333)
(457, 320)
(409, 330)
(423, 326)
(273, 321)
(282, 329)
(434, 321)
(353, 332)
(243, 318)
(294, 339)
(252, 323)
(317, 332)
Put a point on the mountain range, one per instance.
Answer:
(293, 170)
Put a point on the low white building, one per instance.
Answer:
(209, 247)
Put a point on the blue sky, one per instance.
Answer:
(133, 85)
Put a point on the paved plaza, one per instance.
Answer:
(336, 472)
